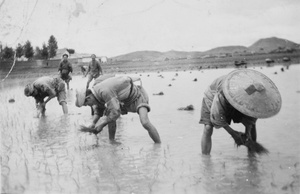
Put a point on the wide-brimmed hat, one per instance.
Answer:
(80, 97)
(252, 93)
(28, 90)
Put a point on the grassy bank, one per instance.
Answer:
(41, 68)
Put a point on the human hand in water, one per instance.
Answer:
(91, 129)
(240, 138)
(98, 129)
(92, 125)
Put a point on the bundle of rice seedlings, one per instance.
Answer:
(189, 108)
(88, 129)
(253, 147)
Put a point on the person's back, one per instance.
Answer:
(113, 87)
(214, 87)
(45, 81)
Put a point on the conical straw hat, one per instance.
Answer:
(252, 93)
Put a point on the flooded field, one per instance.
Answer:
(50, 155)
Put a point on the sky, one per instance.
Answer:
(114, 27)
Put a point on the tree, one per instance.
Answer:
(19, 51)
(44, 52)
(28, 50)
(0, 47)
(52, 46)
(71, 51)
(37, 53)
(7, 53)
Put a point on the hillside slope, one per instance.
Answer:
(265, 45)
(271, 44)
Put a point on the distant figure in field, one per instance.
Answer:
(65, 68)
(111, 97)
(94, 70)
(242, 96)
(47, 87)
(84, 69)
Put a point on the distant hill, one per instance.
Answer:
(139, 56)
(175, 54)
(227, 49)
(266, 45)
(155, 55)
(270, 44)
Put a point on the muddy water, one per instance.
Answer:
(49, 155)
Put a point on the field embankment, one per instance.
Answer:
(39, 68)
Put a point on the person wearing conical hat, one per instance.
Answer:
(242, 96)
(47, 87)
(65, 68)
(116, 95)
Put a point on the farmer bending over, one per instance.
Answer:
(114, 92)
(242, 96)
(47, 87)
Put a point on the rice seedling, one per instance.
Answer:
(89, 130)
(252, 146)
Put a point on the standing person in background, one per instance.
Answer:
(84, 70)
(65, 68)
(94, 70)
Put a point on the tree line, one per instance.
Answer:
(44, 52)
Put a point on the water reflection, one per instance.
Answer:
(237, 175)
(125, 170)
(248, 177)
(209, 174)
(52, 130)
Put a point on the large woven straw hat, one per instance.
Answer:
(252, 93)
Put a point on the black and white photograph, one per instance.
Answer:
(150, 96)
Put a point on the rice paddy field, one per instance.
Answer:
(50, 155)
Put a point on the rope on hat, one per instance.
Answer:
(11, 67)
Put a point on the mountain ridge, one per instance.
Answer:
(264, 45)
